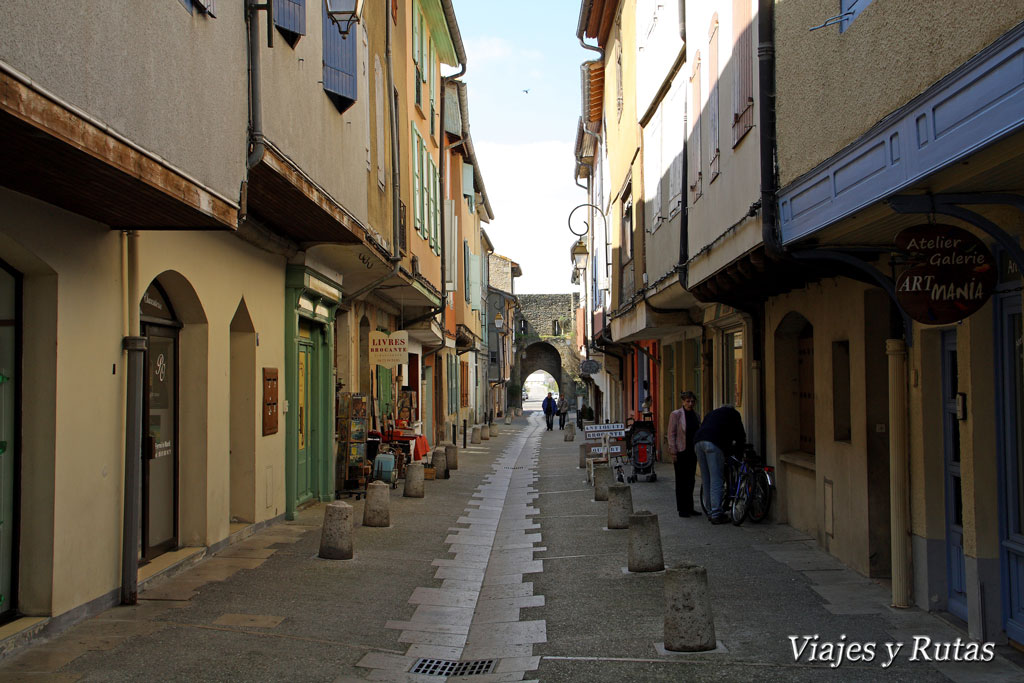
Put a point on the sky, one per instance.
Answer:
(524, 141)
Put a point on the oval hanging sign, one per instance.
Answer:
(952, 273)
(589, 367)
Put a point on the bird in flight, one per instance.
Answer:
(526, 90)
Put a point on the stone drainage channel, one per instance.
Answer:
(470, 626)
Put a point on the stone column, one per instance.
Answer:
(620, 506)
(336, 534)
(602, 479)
(377, 510)
(899, 490)
(413, 480)
(645, 543)
(689, 623)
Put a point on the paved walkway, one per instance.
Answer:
(506, 571)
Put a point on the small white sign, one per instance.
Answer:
(599, 450)
(613, 427)
(389, 350)
(591, 436)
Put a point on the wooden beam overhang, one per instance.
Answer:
(63, 158)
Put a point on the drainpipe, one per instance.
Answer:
(899, 504)
(255, 90)
(135, 346)
(766, 96)
(396, 172)
(460, 54)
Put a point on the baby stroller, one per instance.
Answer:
(640, 444)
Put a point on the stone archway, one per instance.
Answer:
(543, 356)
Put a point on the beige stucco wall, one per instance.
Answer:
(74, 513)
(329, 146)
(823, 104)
(137, 68)
(718, 213)
(836, 310)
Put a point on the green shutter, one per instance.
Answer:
(416, 30)
(417, 211)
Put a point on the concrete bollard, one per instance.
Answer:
(689, 623)
(451, 452)
(620, 506)
(414, 480)
(474, 436)
(440, 461)
(602, 479)
(584, 452)
(377, 510)
(494, 429)
(590, 470)
(645, 543)
(519, 412)
(485, 432)
(508, 419)
(336, 534)
(570, 432)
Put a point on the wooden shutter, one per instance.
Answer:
(417, 210)
(340, 55)
(695, 166)
(290, 16)
(743, 65)
(714, 130)
(383, 116)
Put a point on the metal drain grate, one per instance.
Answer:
(447, 667)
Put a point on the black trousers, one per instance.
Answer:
(550, 419)
(561, 420)
(685, 467)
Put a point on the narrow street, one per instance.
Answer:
(505, 571)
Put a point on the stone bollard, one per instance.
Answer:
(485, 432)
(440, 461)
(645, 543)
(689, 623)
(451, 452)
(602, 479)
(584, 452)
(336, 534)
(377, 510)
(508, 419)
(570, 432)
(590, 469)
(620, 506)
(519, 412)
(414, 480)
(474, 436)
(494, 429)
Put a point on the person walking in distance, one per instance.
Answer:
(563, 410)
(682, 427)
(721, 432)
(549, 408)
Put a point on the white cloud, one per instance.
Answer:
(531, 191)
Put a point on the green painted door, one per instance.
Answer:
(305, 448)
(8, 410)
(427, 396)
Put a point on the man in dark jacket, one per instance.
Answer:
(721, 432)
(550, 408)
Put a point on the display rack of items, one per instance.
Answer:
(352, 468)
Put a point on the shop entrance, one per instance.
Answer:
(159, 520)
(10, 332)
(305, 450)
(955, 569)
(1010, 381)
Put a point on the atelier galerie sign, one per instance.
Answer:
(952, 273)
(389, 350)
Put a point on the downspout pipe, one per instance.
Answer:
(135, 346)
(460, 54)
(766, 96)
(396, 172)
(581, 27)
(255, 89)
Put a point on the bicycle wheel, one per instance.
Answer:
(739, 503)
(760, 497)
(703, 503)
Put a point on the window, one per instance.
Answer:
(340, 64)
(696, 158)
(433, 91)
(417, 182)
(618, 81)
(464, 383)
(522, 325)
(435, 208)
(556, 328)
(713, 131)
(290, 19)
(733, 369)
(841, 423)
(850, 10)
(743, 65)
(494, 357)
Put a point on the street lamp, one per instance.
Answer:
(344, 13)
(580, 255)
(499, 321)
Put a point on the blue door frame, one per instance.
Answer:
(1010, 392)
(956, 595)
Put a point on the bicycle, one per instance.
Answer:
(747, 489)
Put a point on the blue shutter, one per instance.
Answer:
(850, 10)
(340, 64)
(290, 16)
(466, 268)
